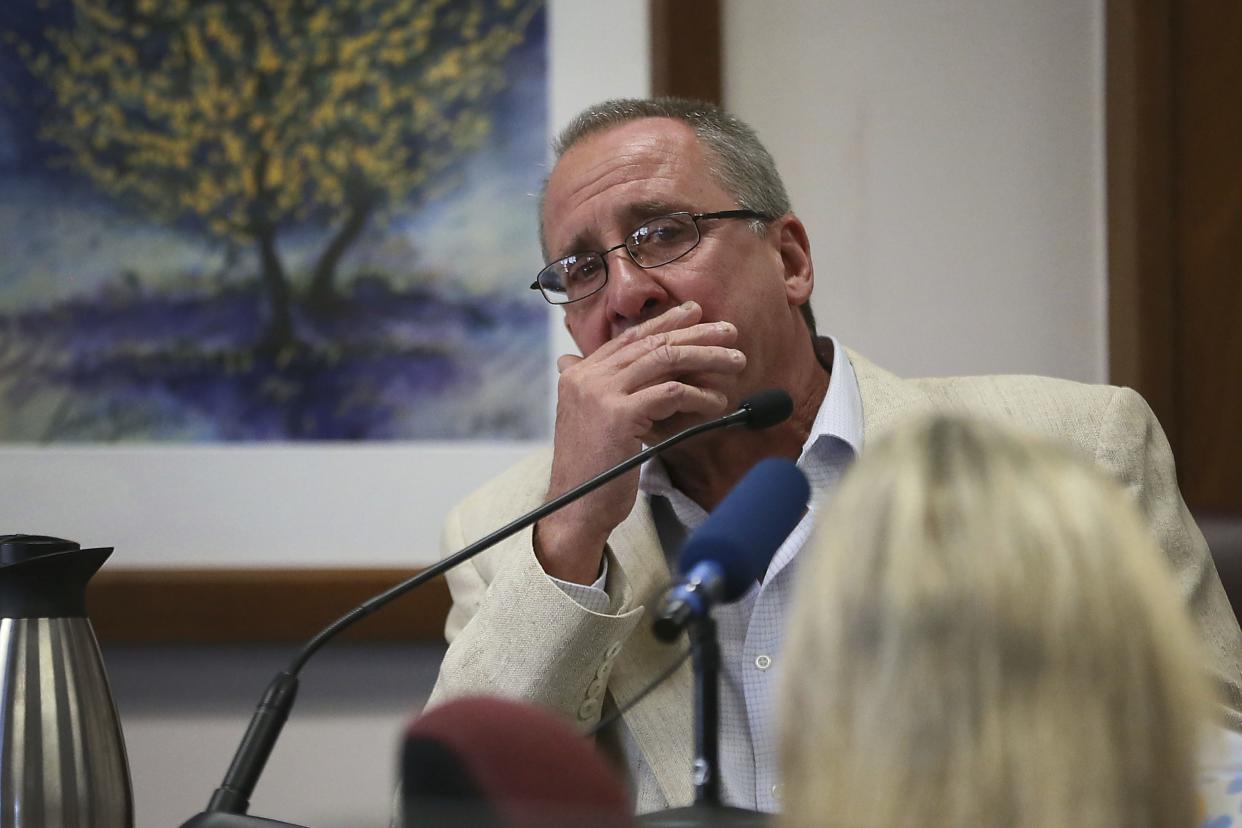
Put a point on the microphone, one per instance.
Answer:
(493, 762)
(767, 408)
(232, 799)
(733, 547)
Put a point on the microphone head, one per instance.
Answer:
(767, 408)
(743, 533)
(494, 762)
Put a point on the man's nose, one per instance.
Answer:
(634, 294)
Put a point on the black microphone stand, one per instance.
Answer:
(707, 712)
(707, 810)
(229, 803)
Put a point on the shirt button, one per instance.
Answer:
(763, 662)
(612, 650)
(589, 710)
(778, 791)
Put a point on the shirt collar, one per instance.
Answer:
(840, 418)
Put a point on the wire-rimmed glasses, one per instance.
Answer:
(655, 242)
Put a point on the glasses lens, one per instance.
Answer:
(662, 240)
(572, 278)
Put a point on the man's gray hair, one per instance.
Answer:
(738, 161)
(735, 156)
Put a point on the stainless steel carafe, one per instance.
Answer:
(62, 755)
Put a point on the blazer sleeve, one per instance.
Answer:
(517, 634)
(1134, 448)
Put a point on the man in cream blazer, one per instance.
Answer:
(696, 295)
(515, 633)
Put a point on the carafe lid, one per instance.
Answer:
(45, 577)
(21, 548)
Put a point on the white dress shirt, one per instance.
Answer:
(752, 629)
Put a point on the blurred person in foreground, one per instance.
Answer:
(985, 634)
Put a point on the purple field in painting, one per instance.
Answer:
(382, 364)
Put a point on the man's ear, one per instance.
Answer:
(795, 250)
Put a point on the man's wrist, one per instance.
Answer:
(567, 556)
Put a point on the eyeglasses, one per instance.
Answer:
(655, 242)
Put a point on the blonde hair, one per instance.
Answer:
(985, 634)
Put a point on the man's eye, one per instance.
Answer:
(661, 233)
(581, 270)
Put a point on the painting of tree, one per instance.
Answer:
(284, 136)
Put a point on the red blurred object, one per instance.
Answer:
(491, 761)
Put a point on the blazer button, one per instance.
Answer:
(588, 710)
(612, 651)
(604, 671)
(596, 689)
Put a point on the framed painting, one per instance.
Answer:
(230, 222)
(265, 529)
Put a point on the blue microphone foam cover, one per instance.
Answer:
(750, 524)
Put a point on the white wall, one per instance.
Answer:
(947, 158)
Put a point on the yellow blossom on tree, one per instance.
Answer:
(252, 115)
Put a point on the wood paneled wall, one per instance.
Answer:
(1174, 109)
(686, 49)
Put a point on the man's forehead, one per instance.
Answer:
(631, 171)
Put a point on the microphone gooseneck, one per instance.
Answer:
(761, 410)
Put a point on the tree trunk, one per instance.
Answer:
(322, 286)
(279, 331)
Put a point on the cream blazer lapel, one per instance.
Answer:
(886, 398)
(662, 723)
